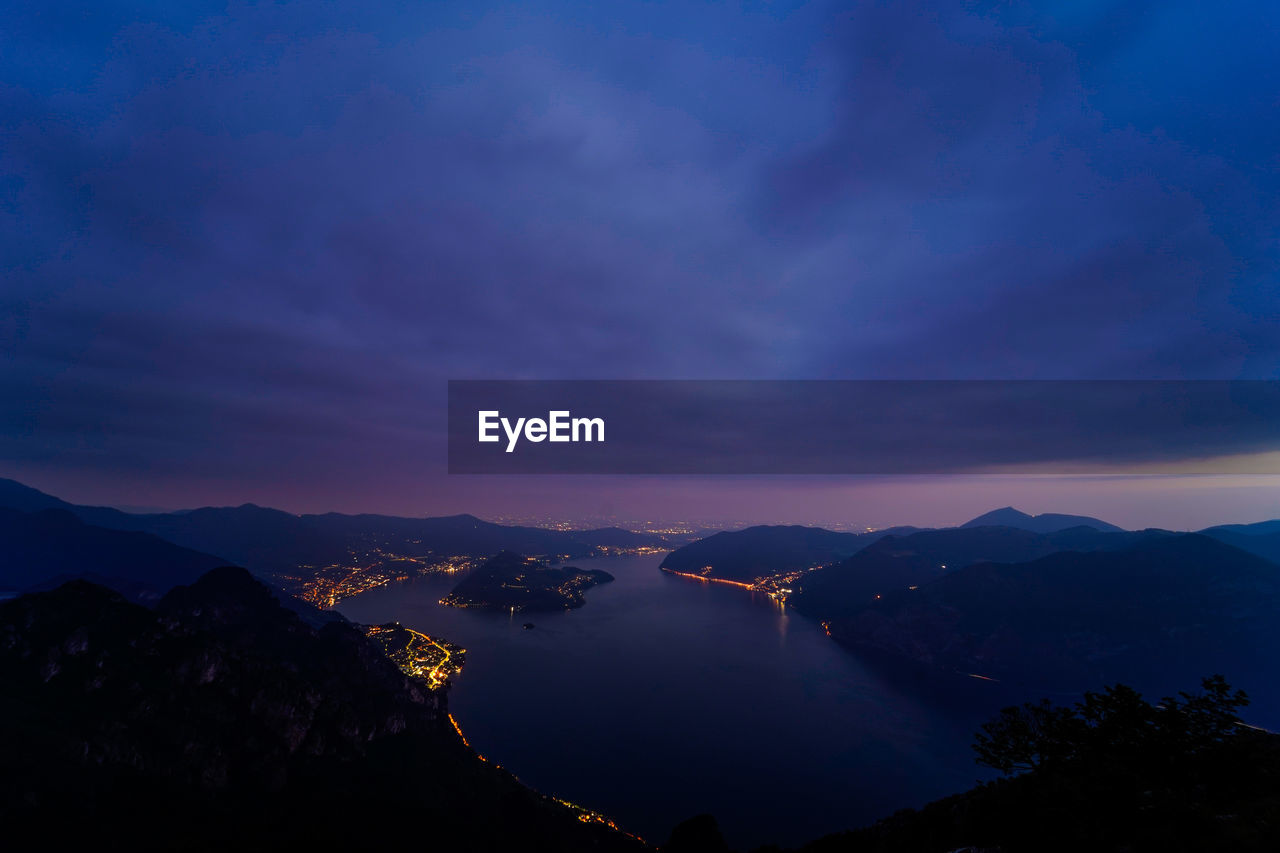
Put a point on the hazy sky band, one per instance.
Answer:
(869, 427)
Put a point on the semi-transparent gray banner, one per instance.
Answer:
(863, 427)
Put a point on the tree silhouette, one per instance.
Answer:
(1115, 727)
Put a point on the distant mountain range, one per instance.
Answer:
(758, 552)
(1054, 602)
(744, 556)
(256, 718)
(1052, 599)
(267, 541)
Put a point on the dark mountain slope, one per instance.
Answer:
(898, 562)
(220, 721)
(52, 545)
(1084, 538)
(15, 495)
(1264, 544)
(1154, 611)
(1258, 528)
(744, 555)
(260, 538)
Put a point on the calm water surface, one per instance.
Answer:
(663, 698)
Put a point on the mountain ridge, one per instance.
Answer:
(272, 541)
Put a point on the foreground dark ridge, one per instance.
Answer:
(1114, 772)
(220, 720)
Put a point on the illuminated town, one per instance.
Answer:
(777, 587)
(435, 661)
(418, 655)
(325, 586)
(676, 530)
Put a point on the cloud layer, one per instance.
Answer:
(252, 241)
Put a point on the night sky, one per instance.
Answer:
(245, 246)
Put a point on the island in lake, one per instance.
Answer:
(510, 581)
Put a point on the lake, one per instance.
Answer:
(664, 698)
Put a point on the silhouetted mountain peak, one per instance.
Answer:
(465, 516)
(245, 510)
(226, 582)
(77, 593)
(1048, 522)
(1002, 516)
(47, 628)
(231, 602)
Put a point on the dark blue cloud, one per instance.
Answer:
(255, 239)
